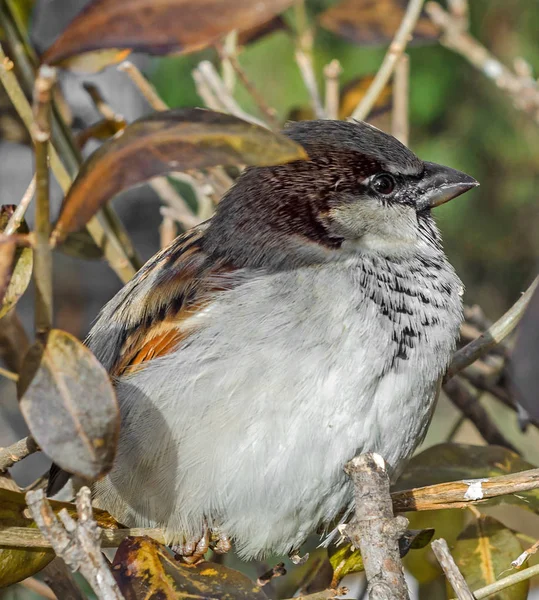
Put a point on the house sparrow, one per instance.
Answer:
(309, 320)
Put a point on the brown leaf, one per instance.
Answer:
(373, 22)
(69, 405)
(177, 139)
(354, 91)
(484, 550)
(16, 264)
(143, 568)
(158, 26)
(18, 564)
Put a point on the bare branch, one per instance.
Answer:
(470, 407)
(399, 119)
(519, 85)
(16, 452)
(374, 529)
(332, 72)
(502, 584)
(458, 494)
(454, 576)
(267, 111)
(396, 49)
(305, 64)
(143, 85)
(18, 215)
(497, 332)
(77, 543)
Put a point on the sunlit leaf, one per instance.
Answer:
(163, 142)
(484, 551)
(158, 26)
(524, 359)
(373, 22)
(143, 568)
(69, 405)
(93, 62)
(17, 564)
(453, 462)
(15, 265)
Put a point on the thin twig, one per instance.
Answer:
(331, 74)
(210, 76)
(230, 48)
(396, 49)
(305, 64)
(41, 132)
(502, 584)
(27, 537)
(143, 85)
(9, 374)
(16, 452)
(77, 542)
(375, 530)
(519, 85)
(470, 407)
(399, 119)
(38, 587)
(167, 231)
(454, 576)
(267, 111)
(18, 215)
(497, 332)
(522, 558)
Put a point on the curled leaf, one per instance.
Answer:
(143, 568)
(69, 405)
(16, 264)
(158, 26)
(373, 22)
(173, 140)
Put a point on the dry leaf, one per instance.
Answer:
(158, 26)
(373, 22)
(173, 140)
(143, 568)
(68, 402)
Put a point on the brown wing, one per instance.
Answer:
(147, 318)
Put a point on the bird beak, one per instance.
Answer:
(440, 184)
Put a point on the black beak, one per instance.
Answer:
(440, 184)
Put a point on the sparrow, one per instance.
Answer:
(309, 320)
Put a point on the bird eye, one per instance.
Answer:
(383, 183)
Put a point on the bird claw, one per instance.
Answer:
(223, 544)
(193, 550)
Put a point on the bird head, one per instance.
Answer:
(360, 190)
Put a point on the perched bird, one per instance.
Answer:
(309, 320)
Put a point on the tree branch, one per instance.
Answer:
(497, 332)
(454, 576)
(374, 529)
(77, 543)
(16, 452)
(397, 47)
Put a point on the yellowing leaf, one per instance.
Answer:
(484, 551)
(163, 142)
(143, 568)
(69, 405)
(373, 22)
(158, 26)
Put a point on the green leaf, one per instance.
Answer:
(171, 140)
(143, 568)
(69, 405)
(483, 553)
(16, 265)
